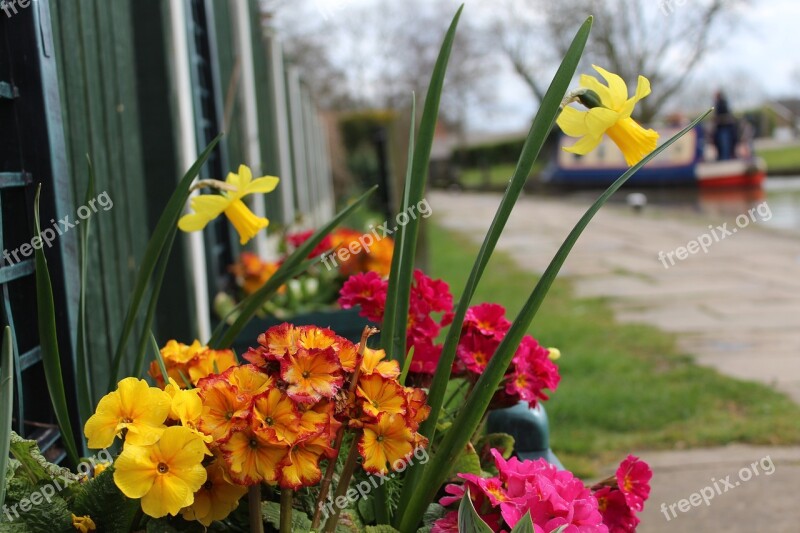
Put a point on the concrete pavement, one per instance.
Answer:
(736, 307)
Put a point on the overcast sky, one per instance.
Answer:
(762, 58)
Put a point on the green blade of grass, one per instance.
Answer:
(416, 186)
(158, 280)
(477, 402)
(6, 405)
(155, 248)
(51, 359)
(159, 358)
(83, 379)
(390, 312)
(250, 305)
(540, 129)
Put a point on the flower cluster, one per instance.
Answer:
(194, 451)
(531, 371)
(316, 384)
(162, 460)
(623, 495)
(188, 364)
(553, 497)
(377, 257)
(428, 297)
(252, 273)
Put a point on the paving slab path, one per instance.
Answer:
(736, 308)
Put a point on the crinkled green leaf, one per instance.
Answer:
(467, 463)
(271, 511)
(111, 510)
(502, 442)
(33, 465)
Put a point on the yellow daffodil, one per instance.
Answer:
(84, 524)
(216, 499)
(207, 207)
(165, 475)
(610, 116)
(134, 407)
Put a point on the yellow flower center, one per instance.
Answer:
(162, 468)
(306, 373)
(126, 420)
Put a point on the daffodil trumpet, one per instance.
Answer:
(609, 113)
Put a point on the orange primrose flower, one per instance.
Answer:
(251, 458)
(381, 395)
(389, 440)
(312, 375)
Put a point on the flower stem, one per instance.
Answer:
(344, 483)
(337, 445)
(286, 510)
(254, 504)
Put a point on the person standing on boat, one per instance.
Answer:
(724, 128)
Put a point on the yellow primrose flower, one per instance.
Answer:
(165, 475)
(207, 207)
(186, 408)
(84, 524)
(610, 116)
(134, 406)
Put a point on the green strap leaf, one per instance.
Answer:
(155, 248)
(416, 190)
(159, 358)
(540, 129)
(290, 268)
(158, 280)
(390, 312)
(83, 378)
(468, 519)
(478, 401)
(51, 359)
(6, 405)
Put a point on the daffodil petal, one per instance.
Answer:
(584, 145)
(245, 177)
(599, 119)
(618, 90)
(573, 122)
(642, 90)
(206, 208)
(262, 185)
(592, 83)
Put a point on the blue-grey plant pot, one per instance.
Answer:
(530, 429)
(344, 322)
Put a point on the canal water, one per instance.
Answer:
(782, 194)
